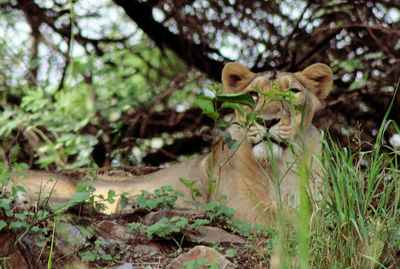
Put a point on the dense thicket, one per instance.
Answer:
(87, 82)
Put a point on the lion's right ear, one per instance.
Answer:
(235, 77)
(320, 78)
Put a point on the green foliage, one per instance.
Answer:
(194, 192)
(248, 229)
(361, 207)
(167, 227)
(96, 253)
(218, 211)
(164, 198)
(208, 104)
(46, 219)
(23, 222)
(199, 264)
(236, 98)
(55, 118)
(230, 253)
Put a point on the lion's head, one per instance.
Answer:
(288, 106)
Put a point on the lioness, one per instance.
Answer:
(262, 170)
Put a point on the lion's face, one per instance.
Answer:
(286, 108)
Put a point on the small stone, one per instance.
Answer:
(113, 231)
(125, 266)
(69, 237)
(211, 256)
(151, 248)
(213, 235)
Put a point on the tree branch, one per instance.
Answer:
(197, 55)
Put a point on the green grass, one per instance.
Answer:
(356, 221)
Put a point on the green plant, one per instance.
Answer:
(194, 192)
(18, 221)
(209, 106)
(167, 227)
(98, 252)
(361, 208)
(163, 198)
(56, 116)
(198, 264)
(231, 253)
(45, 219)
(360, 212)
(218, 212)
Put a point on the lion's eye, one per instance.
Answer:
(294, 90)
(254, 94)
(267, 123)
(260, 121)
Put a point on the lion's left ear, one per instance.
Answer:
(235, 77)
(319, 79)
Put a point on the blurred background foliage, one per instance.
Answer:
(98, 83)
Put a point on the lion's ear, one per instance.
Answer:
(235, 77)
(319, 78)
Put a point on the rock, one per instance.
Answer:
(67, 242)
(15, 258)
(68, 238)
(113, 231)
(210, 255)
(125, 266)
(150, 248)
(212, 235)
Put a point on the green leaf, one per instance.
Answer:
(20, 216)
(232, 143)
(212, 205)
(88, 256)
(111, 194)
(230, 253)
(166, 188)
(40, 244)
(206, 104)
(186, 182)
(237, 98)
(106, 257)
(79, 197)
(235, 106)
(5, 203)
(2, 224)
(250, 117)
(223, 123)
(20, 188)
(203, 129)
